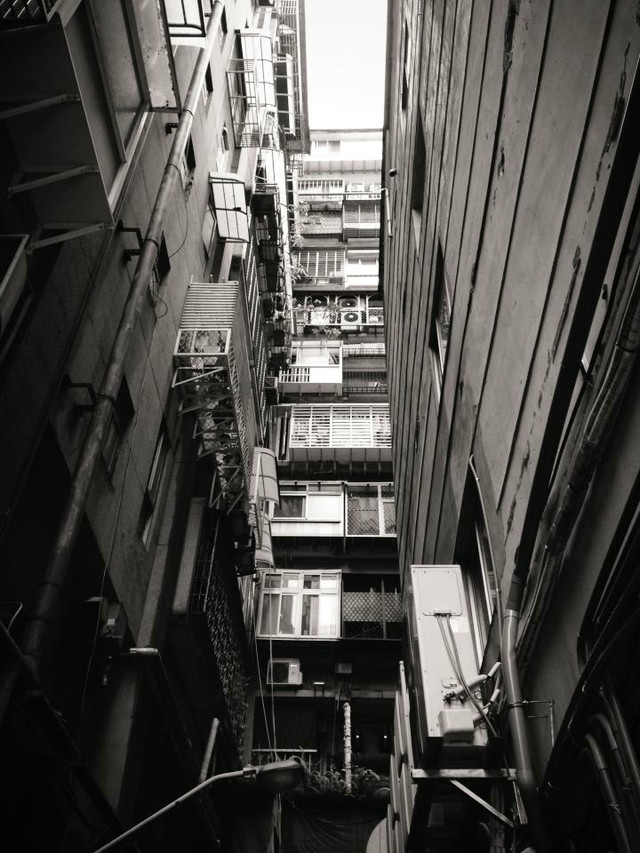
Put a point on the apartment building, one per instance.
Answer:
(329, 619)
(145, 175)
(510, 284)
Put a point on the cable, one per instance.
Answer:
(264, 707)
(454, 660)
(186, 231)
(273, 708)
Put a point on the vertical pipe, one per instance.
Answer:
(347, 746)
(608, 790)
(47, 612)
(518, 727)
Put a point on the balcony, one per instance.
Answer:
(251, 87)
(316, 368)
(76, 89)
(212, 360)
(339, 432)
(327, 509)
(207, 631)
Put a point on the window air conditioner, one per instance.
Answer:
(350, 319)
(284, 671)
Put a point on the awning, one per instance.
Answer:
(264, 476)
(230, 204)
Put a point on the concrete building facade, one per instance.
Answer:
(329, 618)
(146, 177)
(510, 256)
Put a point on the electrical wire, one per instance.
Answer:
(273, 707)
(264, 707)
(186, 230)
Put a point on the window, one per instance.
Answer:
(419, 177)
(154, 482)
(222, 32)
(325, 146)
(223, 148)
(209, 224)
(291, 506)
(321, 263)
(207, 86)
(159, 272)
(120, 420)
(300, 604)
(188, 166)
(473, 553)
(405, 67)
(441, 320)
(313, 501)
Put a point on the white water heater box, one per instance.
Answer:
(439, 607)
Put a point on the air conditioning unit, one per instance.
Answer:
(284, 671)
(350, 319)
(441, 648)
(348, 302)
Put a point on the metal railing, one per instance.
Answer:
(340, 426)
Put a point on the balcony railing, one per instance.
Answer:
(213, 376)
(24, 13)
(339, 427)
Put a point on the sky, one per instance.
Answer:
(346, 43)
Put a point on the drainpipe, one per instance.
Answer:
(347, 746)
(47, 612)
(517, 721)
(609, 793)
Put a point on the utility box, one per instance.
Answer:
(446, 727)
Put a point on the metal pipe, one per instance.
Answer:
(347, 746)
(621, 774)
(518, 729)
(614, 809)
(206, 761)
(47, 611)
(610, 698)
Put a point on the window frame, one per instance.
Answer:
(153, 488)
(438, 342)
(301, 596)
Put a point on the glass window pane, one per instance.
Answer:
(286, 615)
(309, 623)
(328, 581)
(290, 580)
(273, 581)
(291, 506)
(328, 616)
(269, 621)
(312, 581)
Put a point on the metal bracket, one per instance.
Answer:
(88, 387)
(128, 254)
(485, 805)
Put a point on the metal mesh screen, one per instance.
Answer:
(362, 513)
